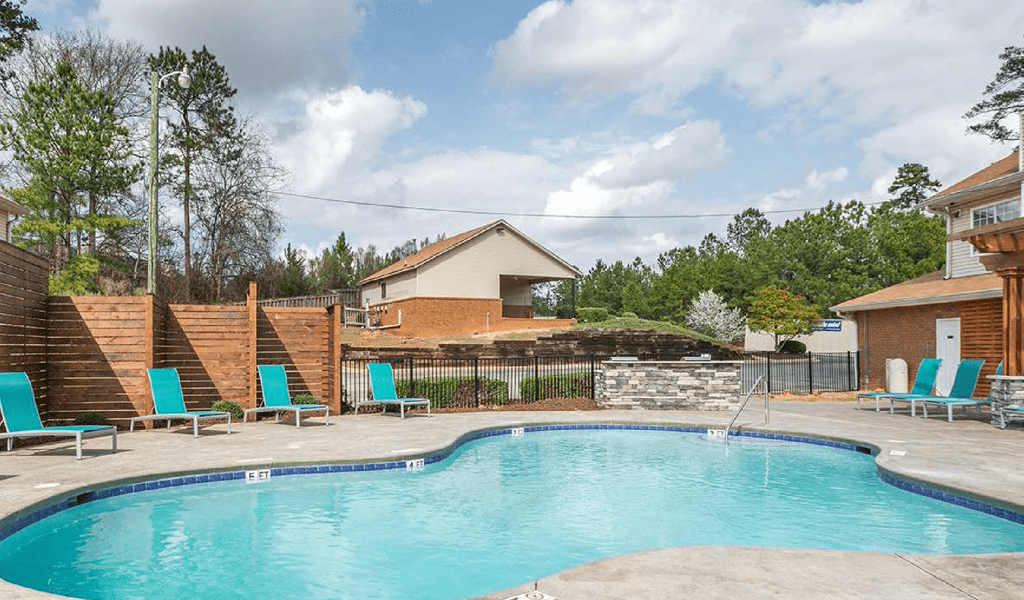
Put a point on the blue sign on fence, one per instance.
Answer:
(829, 325)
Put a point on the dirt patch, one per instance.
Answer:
(816, 397)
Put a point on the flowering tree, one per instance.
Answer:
(781, 313)
(710, 316)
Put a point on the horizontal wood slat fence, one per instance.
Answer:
(90, 353)
(100, 348)
(23, 291)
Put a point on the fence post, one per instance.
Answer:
(593, 383)
(412, 382)
(476, 380)
(810, 374)
(768, 369)
(536, 378)
(849, 372)
(253, 340)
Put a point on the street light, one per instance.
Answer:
(155, 81)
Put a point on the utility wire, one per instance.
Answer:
(466, 211)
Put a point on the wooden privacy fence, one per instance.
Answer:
(23, 280)
(100, 348)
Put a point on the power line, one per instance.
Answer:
(466, 211)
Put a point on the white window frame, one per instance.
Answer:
(1017, 201)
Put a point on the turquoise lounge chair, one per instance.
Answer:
(19, 413)
(276, 399)
(169, 403)
(382, 384)
(964, 382)
(954, 400)
(924, 382)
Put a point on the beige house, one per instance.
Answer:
(8, 211)
(477, 281)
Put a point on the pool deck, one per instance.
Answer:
(968, 455)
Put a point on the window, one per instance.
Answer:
(383, 290)
(995, 213)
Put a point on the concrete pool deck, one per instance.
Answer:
(968, 455)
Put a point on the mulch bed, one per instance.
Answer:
(561, 404)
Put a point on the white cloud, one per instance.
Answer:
(819, 181)
(642, 174)
(340, 133)
(265, 45)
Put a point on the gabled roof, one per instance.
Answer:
(932, 288)
(438, 249)
(11, 207)
(1000, 173)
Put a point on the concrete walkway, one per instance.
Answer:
(968, 455)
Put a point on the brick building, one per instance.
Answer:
(952, 314)
(474, 282)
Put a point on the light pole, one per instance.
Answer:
(154, 135)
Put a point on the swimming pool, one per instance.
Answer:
(495, 513)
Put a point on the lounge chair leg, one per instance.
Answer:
(78, 446)
(229, 423)
(297, 413)
(949, 413)
(113, 442)
(195, 426)
(924, 408)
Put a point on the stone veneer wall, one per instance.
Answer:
(669, 385)
(1005, 390)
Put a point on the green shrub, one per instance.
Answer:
(306, 399)
(229, 407)
(629, 315)
(91, 418)
(454, 391)
(563, 385)
(793, 347)
(591, 315)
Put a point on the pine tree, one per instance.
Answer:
(204, 115)
(76, 155)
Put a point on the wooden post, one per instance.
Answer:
(334, 355)
(150, 333)
(250, 302)
(1010, 267)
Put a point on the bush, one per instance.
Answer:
(229, 407)
(793, 347)
(306, 399)
(591, 315)
(452, 391)
(91, 418)
(629, 315)
(564, 385)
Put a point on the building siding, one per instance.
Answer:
(909, 333)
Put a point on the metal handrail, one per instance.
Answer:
(760, 380)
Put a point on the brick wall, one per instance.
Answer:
(909, 333)
(668, 385)
(434, 316)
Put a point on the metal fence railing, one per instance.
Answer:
(476, 382)
(811, 372)
(479, 382)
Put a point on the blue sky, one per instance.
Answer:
(585, 107)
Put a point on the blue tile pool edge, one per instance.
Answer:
(21, 519)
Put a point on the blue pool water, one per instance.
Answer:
(499, 512)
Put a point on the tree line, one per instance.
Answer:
(827, 256)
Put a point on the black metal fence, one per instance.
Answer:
(481, 382)
(476, 382)
(809, 373)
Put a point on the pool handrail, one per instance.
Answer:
(761, 382)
